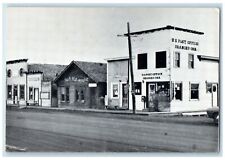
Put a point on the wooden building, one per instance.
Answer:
(171, 72)
(82, 85)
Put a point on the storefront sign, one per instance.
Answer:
(185, 44)
(45, 95)
(152, 75)
(92, 85)
(75, 79)
(33, 78)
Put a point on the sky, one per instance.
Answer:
(61, 34)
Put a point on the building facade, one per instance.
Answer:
(31, 84)
(82, 85)
(170, 72)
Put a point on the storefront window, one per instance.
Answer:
(160, 59)
(67, 94)
(190, 61)
(177, 59)
(30, 93)
(22, 91)
(62, 93)
(142, 61)
(194, 91)
(9, 92)
(137, 86)
(177, 91)
(115, 90)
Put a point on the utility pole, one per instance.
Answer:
(131, 69)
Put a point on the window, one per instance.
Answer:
(30, 93)
(22, 89)
(161, 59)
(62, 93)
(76, 95)
(67, 94)
(82, 95)
(9, 90)
(115, 90)
(194, 91)
(177, 59)
(142, 61)
(21, 72)
(177, 88)
(208, 87)
(9, 73)
(190, 61)
(137, 86)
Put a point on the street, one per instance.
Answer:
(45, 131)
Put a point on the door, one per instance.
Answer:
(151, 95)
(36, 96)
(214, 94)
(15, 94)
(125, 95)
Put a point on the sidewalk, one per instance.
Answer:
(125, 112)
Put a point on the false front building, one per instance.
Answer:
(31, 84)
(82, 85)
(170, 72)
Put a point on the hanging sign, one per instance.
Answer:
(92, 85)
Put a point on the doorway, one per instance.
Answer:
(15, 94)
(125, 88)
(36, 96)
(214, 94)
(151, 96)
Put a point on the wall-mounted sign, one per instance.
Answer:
(152, 75)
(92, 85)
(45, 95)
(75, 79)
(33, 79)
(185, 44)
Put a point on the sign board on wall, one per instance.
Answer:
(92, 85)
(152, 75)
(45, 95)
(185, 44)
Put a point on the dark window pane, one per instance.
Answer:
(194, 91)
(22, 88)
(82, 95)
(161, 59)
(191, 61)
(30, 93)
(177, 59)
(142, 61)
(9, 92)
(67, 94)
(178, 91)
(137, 86)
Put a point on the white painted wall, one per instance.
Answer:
(34, 81)
(16, 79)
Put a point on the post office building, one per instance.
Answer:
(171, 73)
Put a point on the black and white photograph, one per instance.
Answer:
(111, 79)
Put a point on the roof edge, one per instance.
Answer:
(16, 61)
(208, 58)
(168, 27)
